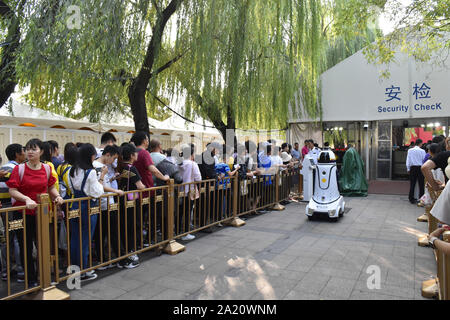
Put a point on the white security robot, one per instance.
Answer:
(307, 171)
(326, 197)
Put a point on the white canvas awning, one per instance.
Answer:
(21, 114)
(353, 90)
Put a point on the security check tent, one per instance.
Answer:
(372, 109)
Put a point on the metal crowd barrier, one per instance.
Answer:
(437, 287)
(93, 233)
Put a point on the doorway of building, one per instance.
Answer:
(403, 139)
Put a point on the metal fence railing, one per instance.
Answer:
(88, 234)
(438, 287)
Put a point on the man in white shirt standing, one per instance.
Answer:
(314, 151)
(414, 161)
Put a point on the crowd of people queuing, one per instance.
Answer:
(83, 170)
(421, 159)
(429, 162)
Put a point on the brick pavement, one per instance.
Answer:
(282, 255)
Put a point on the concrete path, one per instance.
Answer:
(282, 255)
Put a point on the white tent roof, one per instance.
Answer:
(18, 113)
(353, 90)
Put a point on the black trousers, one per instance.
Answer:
(115, 244)
(31, 238)
(415, 174)
(130, 225)
(184, 220)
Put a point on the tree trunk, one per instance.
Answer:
(8, 67)
(138, 87)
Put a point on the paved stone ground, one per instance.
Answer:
(282, 255)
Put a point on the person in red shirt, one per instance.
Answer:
(146, 168)
(25, 191)
(305, 149)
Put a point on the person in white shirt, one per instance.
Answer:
(173, 155)
(156, 153)
(191, 173)
(107, 139)
(314, 151)
(109, 156)
(83, 182)
(414, 161)
(276, 160)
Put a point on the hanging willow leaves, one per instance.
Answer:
(237, 63)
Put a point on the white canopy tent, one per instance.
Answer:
(18, 113)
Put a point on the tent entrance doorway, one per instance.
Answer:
(405, 132)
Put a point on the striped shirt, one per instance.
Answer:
(5, 197)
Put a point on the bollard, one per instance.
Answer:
(235, 221)
(48, 292)
(172, 247)
(424, 216)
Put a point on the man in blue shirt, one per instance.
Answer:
(223, 173)
(295, 152)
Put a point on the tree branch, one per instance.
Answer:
(4, 9)
(145, 74)
(168, 64)
(181, 116)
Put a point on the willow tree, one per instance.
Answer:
(97, 57)
(248, 59)
(237, 62)
(10, 32)
(420, 28)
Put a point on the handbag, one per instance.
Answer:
(62, 240)
(193, 192)
(134, 195)
(244, 189)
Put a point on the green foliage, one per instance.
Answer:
(420, 29)
(241, 61)
(90, 65)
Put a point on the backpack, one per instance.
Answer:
(242, 172)
(47, 168)
(62, 186)
(48, 171)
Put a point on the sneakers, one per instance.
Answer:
(188, 237)
(145, 236)
(20, 277)
(129, 263)
(90, 275)
(109, 266)
(220, 225)
(207, 230)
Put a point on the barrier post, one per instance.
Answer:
(445, 281)
(423, 240)
(236, 221)
(48, 292)
(277, 206)
(172, 247)
(300, 186)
